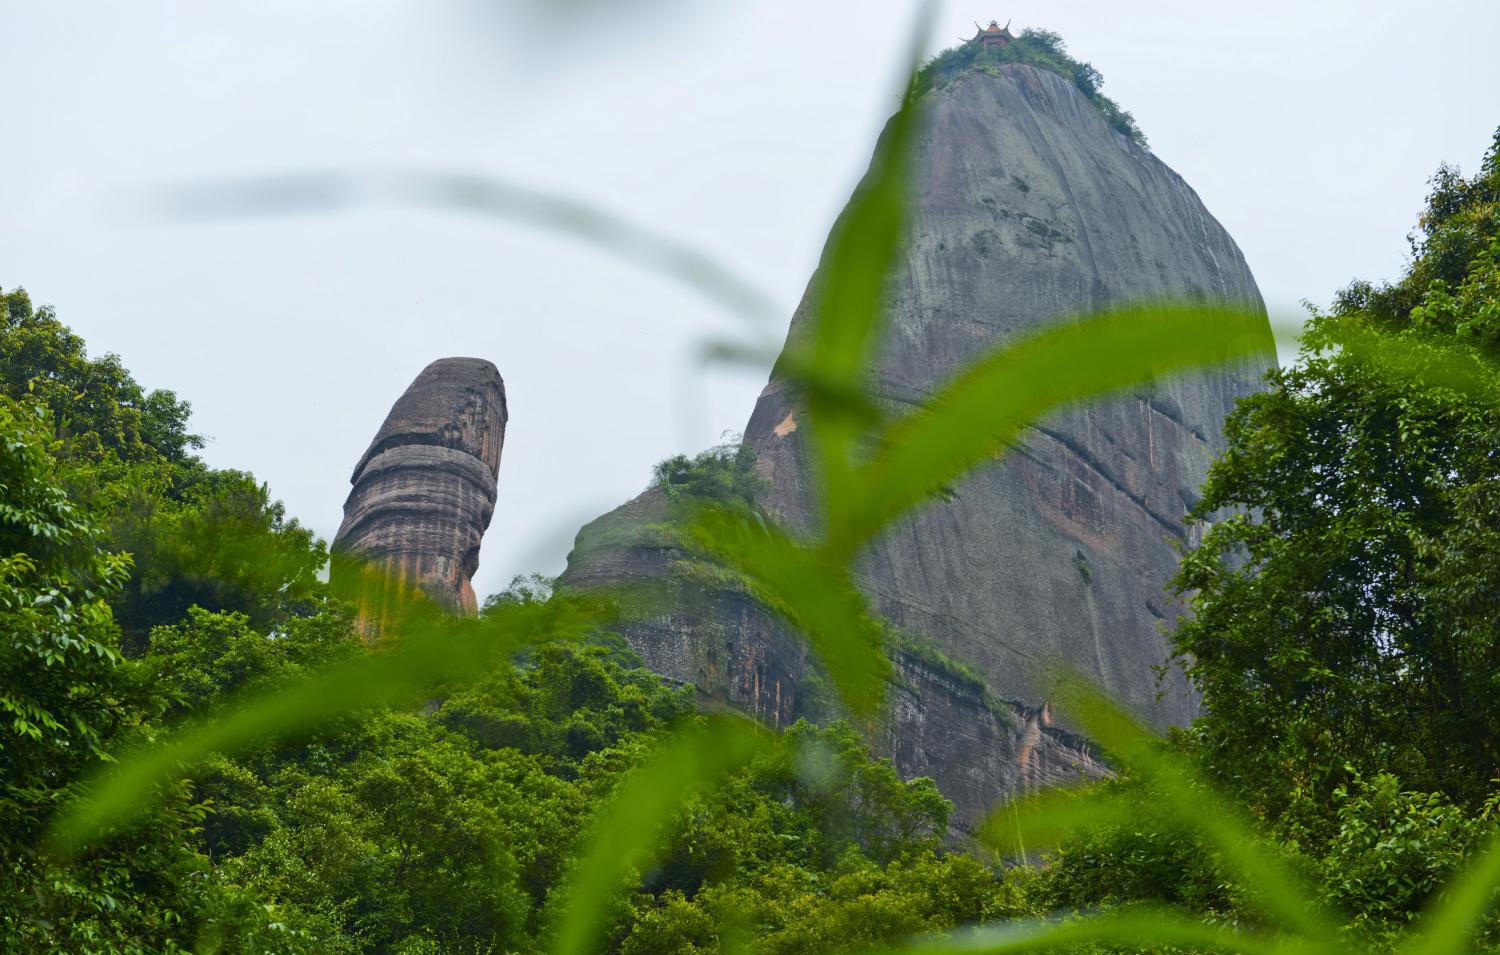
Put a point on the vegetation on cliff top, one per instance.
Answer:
(723, 474)
(1040, 48)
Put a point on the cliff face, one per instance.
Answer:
(1026, 208)
(424, 492)
(1029, 207)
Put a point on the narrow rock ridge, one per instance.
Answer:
(424, 492)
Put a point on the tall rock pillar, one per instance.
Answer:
(424, 492)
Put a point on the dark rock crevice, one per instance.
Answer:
(1098, 467)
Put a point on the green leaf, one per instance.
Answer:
(811, 591)
(849, 302)
(627, 831)
(1283, 893)
(1450, 924)
(984, 409)
(1045, 818)
(340, 189)
(1434, 366)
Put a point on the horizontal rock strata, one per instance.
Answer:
(424, 492)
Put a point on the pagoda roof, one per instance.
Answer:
(994, 29)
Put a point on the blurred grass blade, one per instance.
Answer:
(847, 400)
(1279, 889)
(659, 253)
(627, 831)
(726, 352)
(812, 592)
(849, 301)
(434, 650)
(1044, 819)
(1396, 357)
(1400, 356)
(865, 241)
(1449, 926)
(987, 405)
(341, 189)
(1143, 928)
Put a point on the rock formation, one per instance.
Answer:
(424, 492)
(1027, 208)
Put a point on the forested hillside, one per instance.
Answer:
(1344, 641)
(142, 588)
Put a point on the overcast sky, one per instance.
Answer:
(1308, 129)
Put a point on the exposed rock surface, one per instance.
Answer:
(1027, 207)
(424, 492)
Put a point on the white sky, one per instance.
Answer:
(1309, 130)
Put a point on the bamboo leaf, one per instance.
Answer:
(435, 649)
(1449, 925)
(336, 190)
(849, 302)
(1045, 818)
(812, 592)
(985, 408)
(1282, 891)
(1416, 360)
(627, 831)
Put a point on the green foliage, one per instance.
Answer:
(1392, 852)
(219, 542)
(1344, 626)
(627, 832)
(855, 907)
(1144, 857)
(385, 837)
(98, 408)
(827, 811)
(62, 687)
(208, 655)
(197, 536)
(1344, 611)
(457, 826)
(66, 696)
(1040, 48)
(438, 652)
(725, 474)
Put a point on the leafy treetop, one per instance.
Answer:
(98, 406)
(724, 474)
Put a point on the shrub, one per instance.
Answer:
(1040, 48)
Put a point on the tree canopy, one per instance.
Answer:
(1344, 609)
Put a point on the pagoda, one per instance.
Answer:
(993, 35)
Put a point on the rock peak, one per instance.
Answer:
(1028, 206)
(424, 491)
(456, 403)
